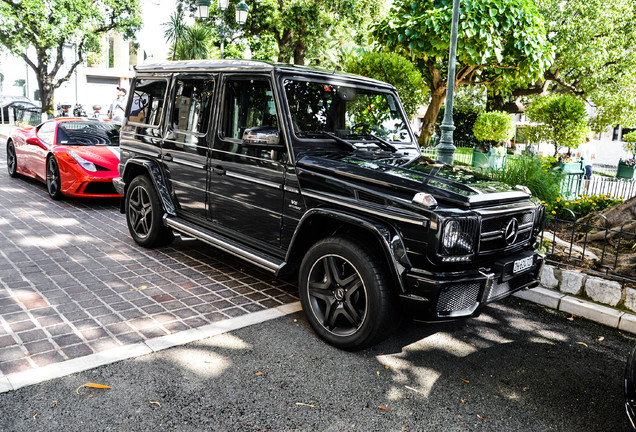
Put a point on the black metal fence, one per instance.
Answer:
(590, 243)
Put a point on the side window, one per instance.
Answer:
(248, 104)
(46, 133)
(192, 108)
(148, 102)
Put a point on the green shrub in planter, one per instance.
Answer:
(494, 127)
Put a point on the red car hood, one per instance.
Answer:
(105, 156)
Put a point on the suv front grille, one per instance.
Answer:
(458, 297)
(493, 232)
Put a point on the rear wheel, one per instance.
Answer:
(53, 182)
(12, 160)
(144, 214)
(344, 290)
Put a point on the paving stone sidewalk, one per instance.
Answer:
(74, 284)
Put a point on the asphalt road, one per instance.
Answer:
(518, 367)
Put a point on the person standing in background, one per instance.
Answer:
(118, 107)
(587, 153)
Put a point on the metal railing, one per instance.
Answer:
(591, 244)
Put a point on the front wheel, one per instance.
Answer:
(53, 181)
(144, 214)
(344, 290)
(12, 160)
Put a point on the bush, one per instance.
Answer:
(561, 120)
(494, 126)
(395, 70)
(581, 206)
(464, 117)
(629, 143)
(531, 172)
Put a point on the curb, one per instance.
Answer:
(582, 308)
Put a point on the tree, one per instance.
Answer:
(49, 26)
(561, 120)
(497, 40)
(175, 29)
(594, 59)
(397, 71)
(300, 28)
(494, 126)
(194, 43)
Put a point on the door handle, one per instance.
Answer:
(167, 157)
(218, 169)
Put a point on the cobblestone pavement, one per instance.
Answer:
(73, 283)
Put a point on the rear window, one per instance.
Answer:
(88, 133)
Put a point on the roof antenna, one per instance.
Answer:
(335, 68)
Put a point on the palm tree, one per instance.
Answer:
(195, 43)
(175, 29)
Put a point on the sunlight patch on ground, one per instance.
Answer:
(226, 341)
(55, 241)
(443, 342)
(202, 362)
(59, 222)
(411, 378)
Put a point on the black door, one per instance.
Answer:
(246, 181)
(185, 146)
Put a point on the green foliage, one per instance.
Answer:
(49, 26)
(594, 57)
(629, 143)
(194, 43)
(397, 71)
(497, 40)
(561, 120)
(581, 206)
(464, 117)
(300, 29)
(494, 126)
(531, 172)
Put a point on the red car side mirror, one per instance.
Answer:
(35, 141)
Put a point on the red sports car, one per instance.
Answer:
(75, 157)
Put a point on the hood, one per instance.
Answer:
(105, 156)
(447, 183)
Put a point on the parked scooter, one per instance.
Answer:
(63, 110)
(96, 110)
(78, 111)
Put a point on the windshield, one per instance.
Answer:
(354, 113)
(88, 133)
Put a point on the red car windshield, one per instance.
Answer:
(88, 133)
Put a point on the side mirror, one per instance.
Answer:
(262, 136)
(35, 142)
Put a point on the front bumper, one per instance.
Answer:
(119, 184)
(439, 296)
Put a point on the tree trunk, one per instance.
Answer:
(428, 122)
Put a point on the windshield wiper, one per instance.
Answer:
(382, 143)
(333, 136)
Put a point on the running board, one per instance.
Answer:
(224, 243)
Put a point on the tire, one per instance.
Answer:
(344, 291)
(12, 160)
(144, 214)
(53, 181)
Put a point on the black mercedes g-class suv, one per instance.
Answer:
(292, 168)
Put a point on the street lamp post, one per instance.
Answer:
(446, 148)
(223, 31)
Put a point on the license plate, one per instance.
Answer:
(522, 264)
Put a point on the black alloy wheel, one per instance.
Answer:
(345, 294)
(144, 214)
(53, 181)
(12, 160)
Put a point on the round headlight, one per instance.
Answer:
(451, 234)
